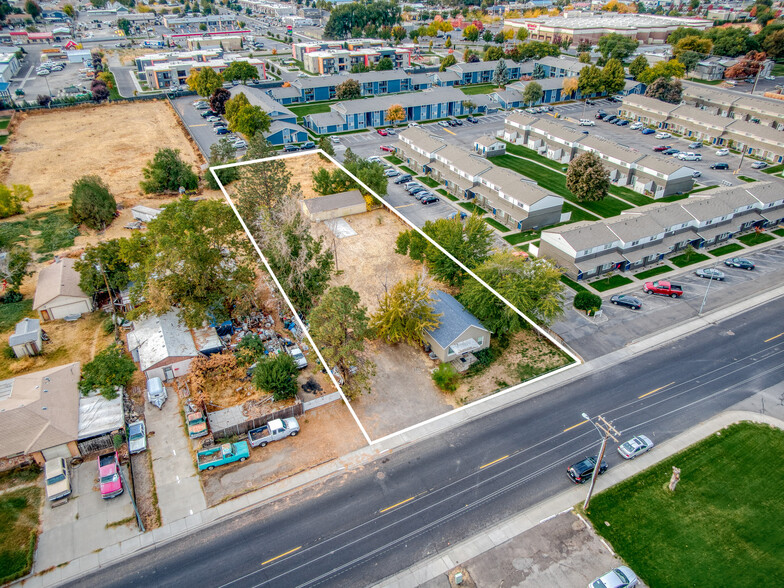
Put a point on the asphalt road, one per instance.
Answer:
(371, 522)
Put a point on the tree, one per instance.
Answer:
(406, 312)
(587, 178)
(32, 9)
(218, 100)
(235, 104)
(590, 81)
(221, 153)
(195, 257)
(250, 120)
(522, 34)
(447, 61)
(569, 86)
(500, 75)
(348, 90)
(665, 90)
(369, 172)
(101, 264)
(166, 172)
(533, 286)
(69, 10)
(774, 44)
(584, 57)
(471, 33)
(326, 146)
(395, 113)
(613, 77)
(446, 377)
(44, 99)
(587, 301)
(499, 38)
(99, 90)
(109, 370)
(448, 42)
(398, 33)
(731, 42)
(494, 53)
(663, 69)
(639, 65)
(533, 93)
(91, 203)
(11, 199)
(616, 46)
(469, 105)
(204, 81)
(689, 59)
(340, 326)
(384, 64)
(747, 67)
(240, 70)
(487, 36)
(262, 184)
(693, 43)
(277, 374)
(123, 24)
(14, 271)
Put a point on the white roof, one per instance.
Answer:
(98, 416)
(159, 337)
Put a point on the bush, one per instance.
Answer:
(8, 352)
(11, 296)
(108, 326)
(446, 378)
(587, 301)
(277, 375)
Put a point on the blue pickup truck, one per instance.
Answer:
(223, 454)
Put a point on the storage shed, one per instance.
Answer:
(27, 339)
(334, 205)
(145, 213)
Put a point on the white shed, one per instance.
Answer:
(163, 346)
(58, 294)
(27, 339)
(145, 213)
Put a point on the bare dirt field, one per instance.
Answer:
(367, 261)
(302, 169)
(50, 150)
(327, 433)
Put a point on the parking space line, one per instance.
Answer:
(403, 206)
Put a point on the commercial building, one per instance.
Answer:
(648, 234)
(512, 199)
(589, 27)
(219, 21)
(9, 65)
(174, 73)
(277, 9)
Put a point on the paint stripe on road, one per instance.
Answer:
(403, 206)
(772, 338)
(200, 125)
(402, 502)
(487, 465)
(264, 563)
(657, 389)
(574, 426)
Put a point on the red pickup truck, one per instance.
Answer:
(663, 288)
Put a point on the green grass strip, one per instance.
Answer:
(688, 259)
(408, 170)
(430, 182)
(774, 169)
(447, 194)
(518, 238)
(574, 285)
(747, 179)
(610, 283)
(393, 160)
(496, 225)
(653, 272)
(471, 207)
(731, 248)
(755, 239)
(779, 232)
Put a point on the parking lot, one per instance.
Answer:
(201, 130)
(619, 326)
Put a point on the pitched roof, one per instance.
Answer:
(463, 160)
(422, 139)
(515, 186)
(39, 410)
(58, 279)
(633, 228)
(557, 129)
(660, 164)
(704, 208)
(334, 201)
(664, 213)
(480, 66)
(649, 104)
(759, 132)
(700, 116)
(765, 192)
(611, 148)
(378, 103)
(26, 331)
(488, 141)
(160, 337)
(281, 93)
(326, 119)
(585, 234)
(259, 98)
(454, 319)
(278, 125)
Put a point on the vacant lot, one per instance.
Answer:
(302, 168)
(722, 525)
(19, 512)
(50, 150)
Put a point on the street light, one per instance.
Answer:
(705, 298)
(606, 431)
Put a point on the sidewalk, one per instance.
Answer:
(495, 546)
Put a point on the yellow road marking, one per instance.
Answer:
(396, 505)
(199, 125)
(776, 337)
(403, 206)
(574, 426)
(450, 132)
(492, 462)
(657, 389)
(281, 555)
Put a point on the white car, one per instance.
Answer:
(42, 72)
(374, 159)
(584, 122)
(635, 126)
(335, 140)
(620, 577)
(137, 437)
(689, 156)
(724, 151)
(663, 136)
(413, 124)
(635, 446)
(298, 357)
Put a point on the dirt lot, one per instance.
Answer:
(50, 150)
(302, 169)
(327, 433)
(368, 260)
(69, 342)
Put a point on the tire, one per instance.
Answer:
(211, 468)
(673, 295)
(649, 291)
(615, 302)
(294, 434)
(635, 307)
(243, 459)
(263, 444)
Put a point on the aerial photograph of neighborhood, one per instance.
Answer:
(392, 294)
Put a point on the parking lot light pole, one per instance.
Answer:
(705, 298)
(607, 431)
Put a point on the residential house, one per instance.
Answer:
(58, 294)
(27, 339)
(458, 333)
(332, 206)
(489, 146)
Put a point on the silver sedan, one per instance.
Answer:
(710, 273)
(635, 446)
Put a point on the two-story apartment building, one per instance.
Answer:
(481, 72)
(374, 83)
(330, 61)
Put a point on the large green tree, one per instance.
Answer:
(262, 185)
(587, 178)
(533, 93)
(166, 172)
(204, 81)
(406, 312)
(664, 69)
(637, 66)
(194, 256)
(100, 264)
(109, 370)
(731, 42)
(11, 199)
(613, 77)
(240, 70)
(616, 46)
(339, 326)
(250, 120)
(348, 90)
(356, 15)
(233, 105)
(447, 61)
(664, 89)
(91, 203)
(221, 153)
(15, 269)
(501, 74)
(591, 81)
(278, 375)
(533, 286)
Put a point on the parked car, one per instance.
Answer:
(57, 479)
(695, 145)
(660, 148)
(422, 194)
(137, 437)
(299, 358)
(443, 123)
(600, 115)
(759, 165)
(381, 132)
(723, 151)
(582, 471)
(219, 123)
(648, 131)
(663, 136)
(622, 123)
(620, 577)
(696, 174)
(610, 119)
(626, 300)
(671, 151)
(308, 145)
(689, 156)
(720, 166)
(374, 159)
(403, 179)
(430, 199)
(239, 144)
(197, 424)
(391, 173)
(663, 288)
(414, 189)
(457, 121)
(635, 126)
(413, 124)
(589, 102)
(452, 123)
(109, 475)
(214, 118)
(584, 122)
(207, 459)
(463, 215)
(335, 140)
(710, 273)
(740, 263)
(208, 113)
(635, 446)
(156, 392)
(472, 119)
(274, 430)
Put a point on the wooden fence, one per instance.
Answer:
(242, 428)
(95, 444)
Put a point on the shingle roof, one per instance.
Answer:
(462, 160)
(634, 228)
(665, 214)
(611, 148)
(422, 139)
(700, 116)
(480, 66)
(326, 119)
(660, 164)
(585, 234)
(558, 130)
(57, 279)
(259, 98)
(516, 186)
(26, 331)
(378, 103)
(647, 103)
(522, 118)
(765, 192)
(281, 93)
(762, 133)
(334, 201)
(488, 141)
(454, 319)
(159, 337)
(705, 208)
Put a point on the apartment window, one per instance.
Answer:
(633, 243)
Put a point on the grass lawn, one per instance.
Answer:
(523, 151)
(19, 510)
(688, 259)
(54, 230)
(430, 182)
(719, 251)
(747, 179)
(722, 525)
(309, 109)
(517, 238)
(779, 232)
(13, 312)
(609, 283)
(706, 82)
(774, 169)
(496, 225)
(4, 122)
(573, 285)
(408, 170)
(778, 70)
(578, 214)
(630, 196)
(478, 89)
(755, 239)
(471, 207)
(4, 139)
(653, 272)
(447, 194)
(393, 160)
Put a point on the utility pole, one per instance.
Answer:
(607, 431)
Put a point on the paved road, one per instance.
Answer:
(380, 518)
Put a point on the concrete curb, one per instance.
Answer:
(442, 563)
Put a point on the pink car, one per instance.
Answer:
(109, 475)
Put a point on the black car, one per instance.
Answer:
(601, 115)
(452, 123)
(590, 102)
(720, 166)
(472, 119)
(403, 179)
(208, 113)
(458, 122)
(416, 190)
(740, 263)
(290, 148)
(430, 199)
(611, 119)
(582, 471)
(628, 301)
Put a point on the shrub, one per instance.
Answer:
(108, 326)
(446, 378)
(11, 296)
(587, 301)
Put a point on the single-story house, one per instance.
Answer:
(489, 146)
(58, 293)
(282, 133)
(27, 339)
(163, 346)
(459, 332)
(39, 414)
(334, 205)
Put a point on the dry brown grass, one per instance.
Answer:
(302, 169)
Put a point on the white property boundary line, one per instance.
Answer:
(576, 359)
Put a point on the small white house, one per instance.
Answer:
(163, 346)
(58, 294)
(27, 339)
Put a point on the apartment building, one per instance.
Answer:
(766, 111)
(511, 198)
(174, 73)
(298, 50)
(481, 72)
(374, 83)
(330, 61)
(648, 234)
